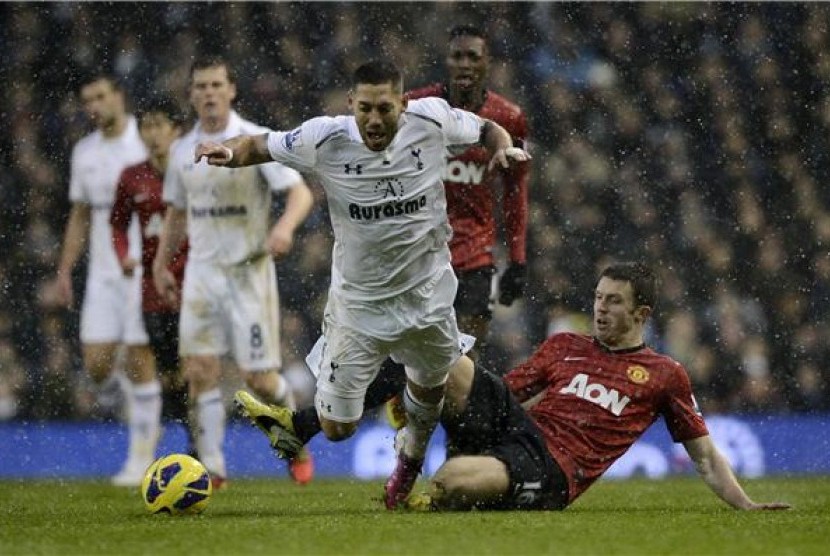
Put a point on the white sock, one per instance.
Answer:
(144, 421)
(421, 420)
(210, 420)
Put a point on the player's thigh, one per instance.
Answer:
(430, 348)
(135, 330)
(99, 359)
(253, 309)
(140, 363)
(348, 362)
(202, 372)
(201, 323)
(429, 353)
(107, 311)
(476, 478)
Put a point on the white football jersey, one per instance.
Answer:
(228, 209)
(96, 166)
(388, 209)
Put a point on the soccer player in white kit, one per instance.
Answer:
(111, 311)
(392, 286)
(229, 300)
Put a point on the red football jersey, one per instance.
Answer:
(139, 190)
(595, 402)
(469, 189)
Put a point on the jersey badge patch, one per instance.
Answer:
(637, 374)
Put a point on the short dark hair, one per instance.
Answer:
(95, 75)
(212, 61)
(467, 31)
(642, 278)
(161, 104)
(378, 72)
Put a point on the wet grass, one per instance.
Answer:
(262, 517)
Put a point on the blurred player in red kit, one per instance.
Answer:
(471, 189)
(471, 199)
(139, 192)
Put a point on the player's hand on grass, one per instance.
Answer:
(216, 154)
(769, 506)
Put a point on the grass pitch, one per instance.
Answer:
(339, 517)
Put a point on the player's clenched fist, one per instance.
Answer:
(216, 154)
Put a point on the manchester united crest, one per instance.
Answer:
(637, 374)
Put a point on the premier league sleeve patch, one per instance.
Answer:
(293, 139)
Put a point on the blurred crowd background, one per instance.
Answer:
(694, 136)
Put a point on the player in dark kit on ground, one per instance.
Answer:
(586, 399)
(139, 192)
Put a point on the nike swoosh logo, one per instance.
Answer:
(569, 358)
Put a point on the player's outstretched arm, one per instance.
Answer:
(243, 150)
(716, 472)
(500, 144)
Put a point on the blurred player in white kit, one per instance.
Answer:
(229, 301)
(111, 311)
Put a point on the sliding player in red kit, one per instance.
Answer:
(139, 192)
(584, 401)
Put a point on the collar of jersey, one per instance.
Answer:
(622, 351)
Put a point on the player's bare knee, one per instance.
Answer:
(141, 364)
(426, 395)
(335, 430)
(263, 384)
(202, 373)
(451, 486)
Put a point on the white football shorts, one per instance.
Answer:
(232, 309)
(111, 311)
(417, 329)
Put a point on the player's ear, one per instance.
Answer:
(350, 98)
(404, 101)
(643, 312)
(233, 92)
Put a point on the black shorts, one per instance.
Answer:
(163, 329)
(495, 424)
(473, 296)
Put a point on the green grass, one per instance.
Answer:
(262, 517)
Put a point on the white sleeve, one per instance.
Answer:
(174, 192)
(279, 177)
(298, 148)
(460, 127)
(77, 192)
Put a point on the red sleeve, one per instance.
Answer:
(515, 198)
(682, 415)
(532, 376)
(120, 217)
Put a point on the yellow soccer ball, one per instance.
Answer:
(176, 484)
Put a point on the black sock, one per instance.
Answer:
(306, 423)
(391, 381)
